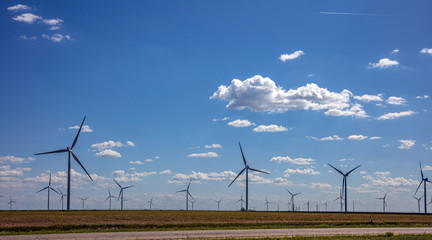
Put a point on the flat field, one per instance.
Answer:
(12, 222)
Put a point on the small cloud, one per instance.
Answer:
(156, 157)
(346, 159)
(18, 7)
(136, 162)
(53, 22)
(241, 123)
(375, 138)
(130, 144)
(165, 172)
(31, 158)
(423, 97)
(369, 98)
(383, 174)
(396, 100)
(85, 128)
(107, 144)
(320, 185)
(57, 37)
(395, 51)
(357, 137)
(363, 172)
(427, 168)
(270, 128)
(396, 115)
(426, 51)
(311, 75)
(406, 144)
(298, 161)
(386, 145)
(108, 153)
(384, 63)
(292, 56)
(27, 18)
(24, 37)
(204, 155)
(214, 145)
(217, 119)
(329, 138)
(307, 171)
(11, 159)
(148, 160)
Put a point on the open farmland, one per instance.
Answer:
(88, 221)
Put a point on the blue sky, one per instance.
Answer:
(170, 87)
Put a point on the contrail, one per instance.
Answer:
(347, 13)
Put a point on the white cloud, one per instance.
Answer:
(396, 115)
(384, 63)
(24, 37)
(320, 185)
(7, 173)
(130, 144)
(375, 138)
(241, 123)
(57, 37)
(108, 153)
(329, 138)
(261, 94)
(270, 128)
(386, 145)
(27, 18)
(214, 145)
(54, 28)
(387, 173)
(298, 161)
(204, 155)
(308, 171)
(423, 97)
(136, 162)
(285, 182)
(85, 128)
(197, 176)
(369, 98)
(53, 22)
(426, 51)
(156, 157)
(396, 100)
(292, 56)
(363, 172)
(107, 144)
(148, 160)
(427, 168)
(11, 159)
(165, 172)
(395, 51)
(77, 179)
(122, 176)
(357, 137)
(406, 144)
(18, 7)
(346, 159)
(386, 181)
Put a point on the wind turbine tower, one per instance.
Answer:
(83, 199)
(120, 197)
(241, 201)
(218, 203)
(109, 197)
(187, 194)
(384, 201)
(292, 199)
(192, 202)
(418, 202)
(341, 200)
(150, 202)
(344, 182)
(70, 152)
(48, 188)
(267, 204)
(246, 168)
(424, 181)
(62, 197)
(10, 203)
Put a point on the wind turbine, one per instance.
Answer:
(62, 197)
(83, 199)
(10, 203)
(384, 201)
(418, 202)
(120, 197)
(150, 202)
(292, 198)
(187, 194)
(193, 203)
(341, 199)
(109, 197)
(307, 204)
(218, 202)
(247, 168)
(326, 205)
(344, 182)
(267, 204)
(49, 188)
(69, 151)
(424, 180)
(241, 201)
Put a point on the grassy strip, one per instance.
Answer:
(387, 236)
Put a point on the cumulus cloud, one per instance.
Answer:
(9, 174)
(357, 137)
(260, 94)
(18, 7)
(108, 153)
(396, 115)
(107, 144)
(395, 51)
(292, 56)
(369, 98)
(11, 160)
(57, 37)
(320, 185)
(386, 181)
(241, 123)
(386, 145)
(27, 18)
(214, 145)
(24, 37)
(285, 182)
(122, 176)
(346, 159)
(77, 179)
(85, 128)
(423, 97)
(204, 155)
(406, 144)
(427, 168)
(375, 138)
(197, 176)
(298, 161)
(384, 63)
(396, 100)
(165, 172)
(329, 138)
(426, 51)
(130, 144)
(308, 171)
(53, 22)
(136, 162)
(270, 128)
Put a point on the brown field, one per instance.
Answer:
(54, 221)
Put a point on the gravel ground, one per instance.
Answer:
(223, 233)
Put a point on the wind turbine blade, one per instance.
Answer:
(256, 170)
(121, 191)
(107, 198)
(289, 191)
(128, 187)
(237, 177)
(54, 190)
(352, 170)
(117, 183)
(189, 184)
(42, 189)
(76, 137)
(190, 195)
(335, 168)
(421, 171)
(385, 195)
(56, 151)
(49, 182)
(418, 186)
(181, 191)
(78, 161)
(109, 192)
(244, 159)
(297, 194)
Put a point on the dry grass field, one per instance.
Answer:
(83, 221)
